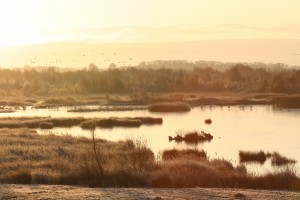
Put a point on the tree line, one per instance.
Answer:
(91, 80)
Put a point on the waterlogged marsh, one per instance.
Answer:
(234, 128)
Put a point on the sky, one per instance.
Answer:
(44, 22)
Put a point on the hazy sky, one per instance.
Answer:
(30, 21)
(146, 21)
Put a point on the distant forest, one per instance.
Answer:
(156, 76)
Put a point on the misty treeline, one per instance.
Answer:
(91, 80)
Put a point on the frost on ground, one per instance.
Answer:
(70, 192)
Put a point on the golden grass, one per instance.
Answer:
(65, 101)
(29, 158)
(191, 168)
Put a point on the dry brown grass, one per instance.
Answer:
(191, 170)
(65, 101)
(27, 157)
(174, 154)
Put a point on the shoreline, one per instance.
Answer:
(124, 102)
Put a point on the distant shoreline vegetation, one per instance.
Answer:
(157, 76)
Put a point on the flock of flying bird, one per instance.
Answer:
(103, 59)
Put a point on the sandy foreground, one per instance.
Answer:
(71, 192)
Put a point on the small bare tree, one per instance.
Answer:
(95, 151)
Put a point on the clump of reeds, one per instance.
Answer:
(208, 121)
(46, 125)
(169, 107)
(261, 157)
(290, 101)
(53, 102)
(34, 122)
(279, 160)
(150, 120)
(179, 170)
(192, 137)
(174, 154)
(112, 122)
(88, 124)
(52, 159)
(105, 123)
(2, 110)
(248, 156)
(192, 170)
(67, 122)
(14, 103)
(128, 122)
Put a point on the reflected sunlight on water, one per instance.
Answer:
(234, 128)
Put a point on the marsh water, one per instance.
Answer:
(234, 128)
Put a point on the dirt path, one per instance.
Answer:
(70, 192)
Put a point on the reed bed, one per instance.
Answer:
(192, 137)
(260, 157)
(42, 122)
(29, 158)
(169, 107)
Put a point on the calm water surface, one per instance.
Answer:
(234, 129)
